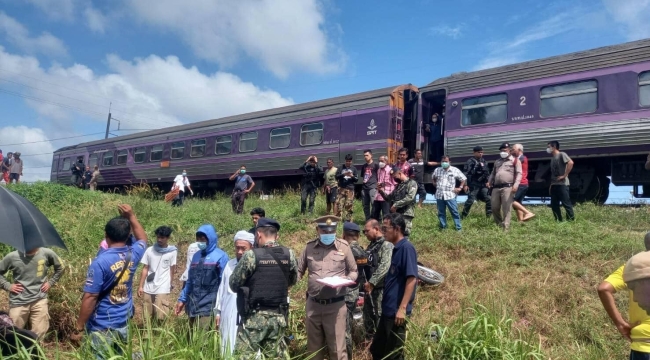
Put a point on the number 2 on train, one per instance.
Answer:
(523, 101)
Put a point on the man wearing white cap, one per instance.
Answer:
(225, 309)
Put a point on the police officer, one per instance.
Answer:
(504, 181)
(477, 172)
(403, 197)
(379, 253)
(326, 256)
(310, 183)
(351, 233)
(261, 280)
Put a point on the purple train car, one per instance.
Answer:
(596, 103)
(272, 144)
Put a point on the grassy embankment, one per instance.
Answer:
(529, 293)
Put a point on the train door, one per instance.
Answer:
(433, 122)
(403, 120)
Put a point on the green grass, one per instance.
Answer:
(529, 293)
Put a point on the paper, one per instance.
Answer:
(335, 282)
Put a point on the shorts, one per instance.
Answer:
(331, 197)
(422, 191)
(14, 176)
(521, 193)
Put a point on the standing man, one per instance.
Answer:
(225, 310)
(326, 317)
(16, 168)
(6, 166)
(504, 181)
(93, 179)
(86, 179)
(379, 253)
(351, 233)
(331, 186)
(561, 166)
(402, 162)
(261, 280)
(78, 172)
(477, 172)
(107, 301)
(522, 213)
(419, 166)
(28, 294)
(403, 197)
(256, 214)
(369, 190)
(156, 278)
(310, 182)
(637, 328)
(435, 137)
(347, 178)
(243, 185)
(199, 294)
(445, 179)
(399, 292)
(385, 178)
(181, 182)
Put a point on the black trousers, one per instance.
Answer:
(560, 193)
(308, 190)
(380, 209)
(367, 199)
(478, 193)
(637, 355)
(178, 201)
(389, 340)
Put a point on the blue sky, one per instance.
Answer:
(165, 62)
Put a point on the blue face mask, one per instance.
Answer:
(242, 171)
(201, 245)
(327, 239)
(444, 165)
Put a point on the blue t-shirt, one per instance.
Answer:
(403, 265)
(112, 311)
(242, 182)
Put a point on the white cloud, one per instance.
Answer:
(18, 35)
(283, 35)
(633, 15)
(446, 30)
(34, 167)
(95, 20)
(55, 9)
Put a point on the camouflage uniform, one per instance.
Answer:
(351, 298)
(403, 199)
(345, 204)
(372, 303)
(262, 330)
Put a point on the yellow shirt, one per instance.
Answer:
(638, 318)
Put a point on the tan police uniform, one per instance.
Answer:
(326, 310)
(506, 174)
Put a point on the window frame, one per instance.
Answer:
(322, 130)
(55, 165)
(271, 137)
(641, 84)
(171, 152)
(104, 158)
(92, 166)
(217, 142)
(477, 106)
(135, 154)
(125, 152)
(192, 146)
(68, 159)
(161, 151)
(257, 136)
(568, 93)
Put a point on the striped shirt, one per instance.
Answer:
(445, 182)
(384, 177)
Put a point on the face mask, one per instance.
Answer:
(201, 245)
(382, 165)
(504, 154)
(397, 180)
(242, 171)
(549, 150)
(184, 174)
(327, 239)
(434, 119)
(444, 165)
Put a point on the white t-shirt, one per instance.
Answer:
(161, 264)
(191, 250)
(181, 182)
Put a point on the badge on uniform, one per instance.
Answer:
(340, 253)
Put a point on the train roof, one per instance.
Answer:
(622, 54)
(330, 102)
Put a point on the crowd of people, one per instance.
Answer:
(82, 176)
(12, 167)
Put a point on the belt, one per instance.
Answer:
(327, 301)
(501, 186)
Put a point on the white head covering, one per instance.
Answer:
(245, 235)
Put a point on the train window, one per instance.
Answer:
(93, 160)
(66, 164)
(223, 145)
(197, 148)
(178, 150)
(156, 153)
(485, 110)
(644, 88)
(572, 98)
(248, 141)
(54, 165)
(122, 156)
(108, 158)
(139, 155)
(311, 134)
(280, 138)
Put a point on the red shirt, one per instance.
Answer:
(524, 170)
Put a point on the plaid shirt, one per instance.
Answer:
(384, 177)
(446, 182)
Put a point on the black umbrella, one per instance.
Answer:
(23, 226)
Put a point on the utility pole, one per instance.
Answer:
(108, 122)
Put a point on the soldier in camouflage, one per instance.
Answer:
(347, 177)
(379, 254)
(351, 233)
(403, 197)
(261, 280)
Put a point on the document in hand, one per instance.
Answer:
(335, 282)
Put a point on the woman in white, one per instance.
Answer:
(225, 309)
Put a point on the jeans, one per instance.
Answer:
(367, 197)
(107, 343)
(443, 205)
(637, 355)
(560, 193)
(308, 190)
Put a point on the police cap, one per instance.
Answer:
(264, 222)
(328, 222)
(477, 148)
(505, 145)
(350, 226)
(396, 169)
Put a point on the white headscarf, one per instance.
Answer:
(245, 236)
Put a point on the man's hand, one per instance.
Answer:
(456, 190)
(246, 191)
(514, 188)
(179, 307)
(217, 321)
(393, 209)
(125, 211)
(400, 316)
(76, 338)
(17, 288)
(140, 292)
(368, 287)
(46, 287)
(561, 177)
(624, 328)
(466, 188)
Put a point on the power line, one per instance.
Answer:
(63, 138)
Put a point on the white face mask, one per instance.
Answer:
(504, 154)
(549, 150)
(382, 164)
